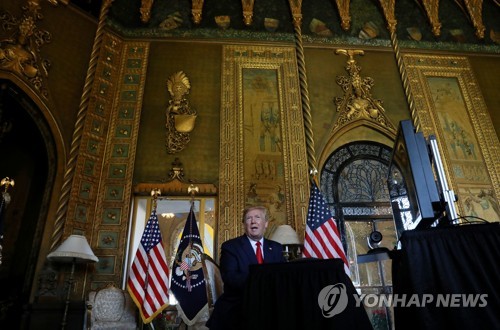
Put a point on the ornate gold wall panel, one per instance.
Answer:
(449, 105)
(101, 190)
(262, 150)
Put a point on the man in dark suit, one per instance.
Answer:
(236, 256)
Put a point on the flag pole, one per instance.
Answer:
(192, 190)
(314, 176)
(155, 192)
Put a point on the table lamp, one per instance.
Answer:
(288, 237)
(74, 249)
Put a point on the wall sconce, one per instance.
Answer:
(287, 236)
(180, 117)
(75, 249)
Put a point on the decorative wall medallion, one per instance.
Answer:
(111, 216)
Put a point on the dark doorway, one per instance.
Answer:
(24, 157)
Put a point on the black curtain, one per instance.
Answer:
(287, 296)
(460, 263)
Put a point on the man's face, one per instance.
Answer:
(255, 224)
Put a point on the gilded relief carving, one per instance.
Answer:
(262, 138)
(449, 105)
(196, 10)
(146, 10)
(180, 116)
(474, 8)
(431, 8)
(20, 52)
(388, 8)
(296, 8)
(357, 103)
(247, 11)
(344, 12)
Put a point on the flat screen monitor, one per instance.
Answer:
(415, 199)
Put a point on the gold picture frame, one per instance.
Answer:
(262, 154)
(449, 105)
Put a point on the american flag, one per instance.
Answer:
(148, 277)
(322, 239)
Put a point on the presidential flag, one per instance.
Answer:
(148, 276)
(188, 283)
(322, 238)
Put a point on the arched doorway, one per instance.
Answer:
(27, 155)
(354, 183)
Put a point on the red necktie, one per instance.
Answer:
(258, 252)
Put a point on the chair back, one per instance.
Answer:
(111, 308)
(213, 279)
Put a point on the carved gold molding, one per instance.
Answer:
(296, 9)
(345, 16)
(146, 10)
(475, 8)
(247, 11)
(449, 105)
(196, 10)
(175, 185)
(431, 8)
(388, 8)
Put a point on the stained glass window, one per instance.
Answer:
(354, 183)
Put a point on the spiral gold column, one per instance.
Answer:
(77, 133)
(295, 6)
(404, 77)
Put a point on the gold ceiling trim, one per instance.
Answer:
(196, 9)
(345, 17)
(388, 7)
(474, 9)
(431, 8)
(296, 9)
(146, 10)
(247, 11)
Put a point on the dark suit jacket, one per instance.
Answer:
(237, 255)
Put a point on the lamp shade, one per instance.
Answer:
(285, 235)
(74, 248)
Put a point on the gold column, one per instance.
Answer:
(57, 234)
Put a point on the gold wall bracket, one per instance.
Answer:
(180, 116)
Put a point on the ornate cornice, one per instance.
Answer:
(230, 35)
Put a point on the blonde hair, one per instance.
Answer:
(258, 207)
